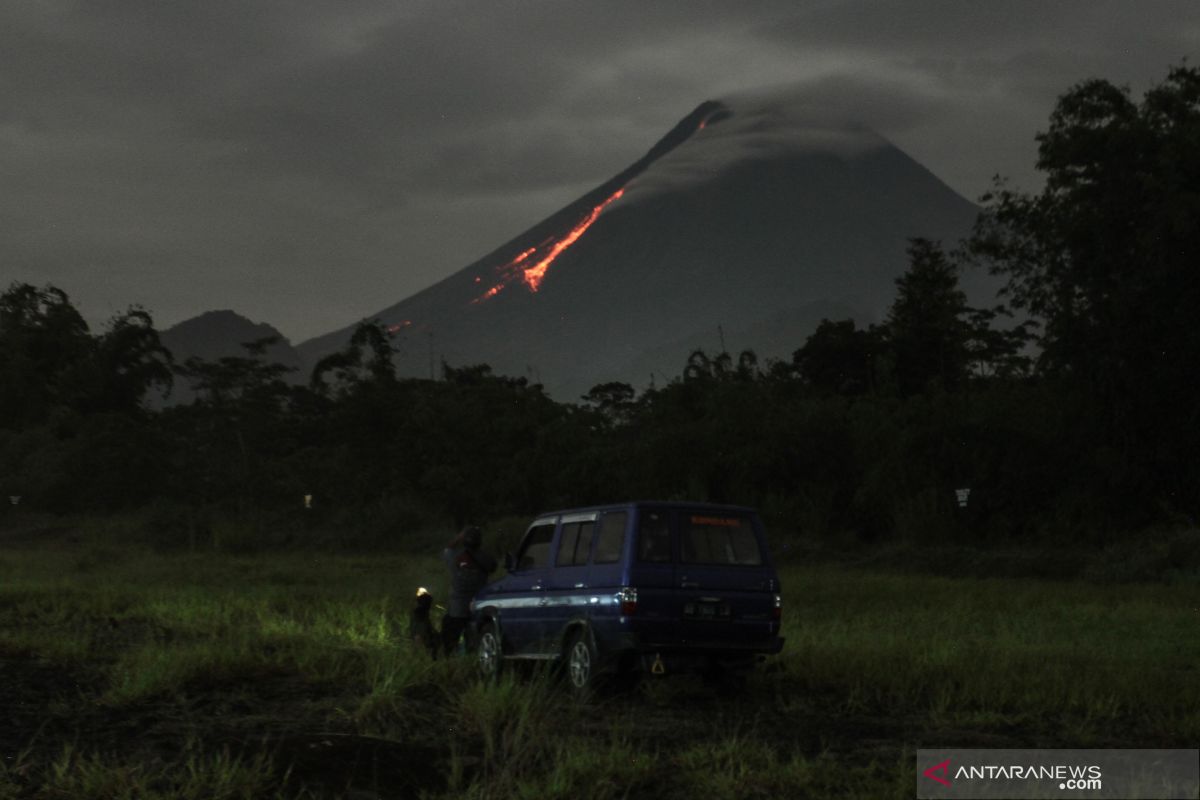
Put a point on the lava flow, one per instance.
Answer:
(533, 275)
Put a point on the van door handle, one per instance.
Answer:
(581, 586)
(689, 584)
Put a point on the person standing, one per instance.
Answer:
(469, 569)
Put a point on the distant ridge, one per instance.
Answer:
(219, 334)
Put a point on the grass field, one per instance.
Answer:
(134, 674)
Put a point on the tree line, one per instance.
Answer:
(1067, 409)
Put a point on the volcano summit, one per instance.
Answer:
(753, 214)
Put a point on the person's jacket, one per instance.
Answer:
(469, 570)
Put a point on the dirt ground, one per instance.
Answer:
(297, 723)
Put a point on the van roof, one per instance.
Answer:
(649, 503)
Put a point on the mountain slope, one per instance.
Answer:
(747, 213)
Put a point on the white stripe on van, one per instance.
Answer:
(547, 601)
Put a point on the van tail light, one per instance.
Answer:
(627, 597)
(777, 609)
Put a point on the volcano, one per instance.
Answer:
(743, 227)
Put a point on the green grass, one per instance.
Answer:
(217, 776)
(1098, 656)
(143, 675)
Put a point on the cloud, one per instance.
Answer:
(310, 161)
(957, 30)
(753, 126)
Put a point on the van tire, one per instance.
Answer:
(582, 663)
(489, 654)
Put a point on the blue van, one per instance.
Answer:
(619, 589)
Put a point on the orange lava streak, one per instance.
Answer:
(492, 292)
(534, 275)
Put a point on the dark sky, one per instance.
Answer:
(309, 163)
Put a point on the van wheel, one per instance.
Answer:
(489, 655)
(581, 664)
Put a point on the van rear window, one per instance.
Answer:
(716, 539)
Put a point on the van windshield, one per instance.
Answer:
(719, 539)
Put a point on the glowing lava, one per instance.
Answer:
(533, 275)
(492, 292)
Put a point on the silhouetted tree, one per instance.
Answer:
(747, 366)
(238, 381)
(234, 424)
(927, 326)
(43, 342)
(614, 401)
(126, 361)
(839, 358)
(998, 352)
(366, 358)
(703, 367)
(1106, 256)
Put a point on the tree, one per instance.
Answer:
(839, 358)
(126, 362)
(927, 326)
(238, 382)
(998, 352)
(1107, 256)
(349, 367)
(43, 340)
(614, 401)
(702, 367)
(234, 426)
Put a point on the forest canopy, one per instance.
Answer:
(1067, 408)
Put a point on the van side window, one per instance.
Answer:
(610, 538)
(574, 543)
(654, 537)
(535, 550)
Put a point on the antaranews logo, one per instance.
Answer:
(1069, 776)
(1131, 774)
(943, 768)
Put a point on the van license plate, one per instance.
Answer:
(701, 610)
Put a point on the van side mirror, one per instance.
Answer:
(510, 562)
